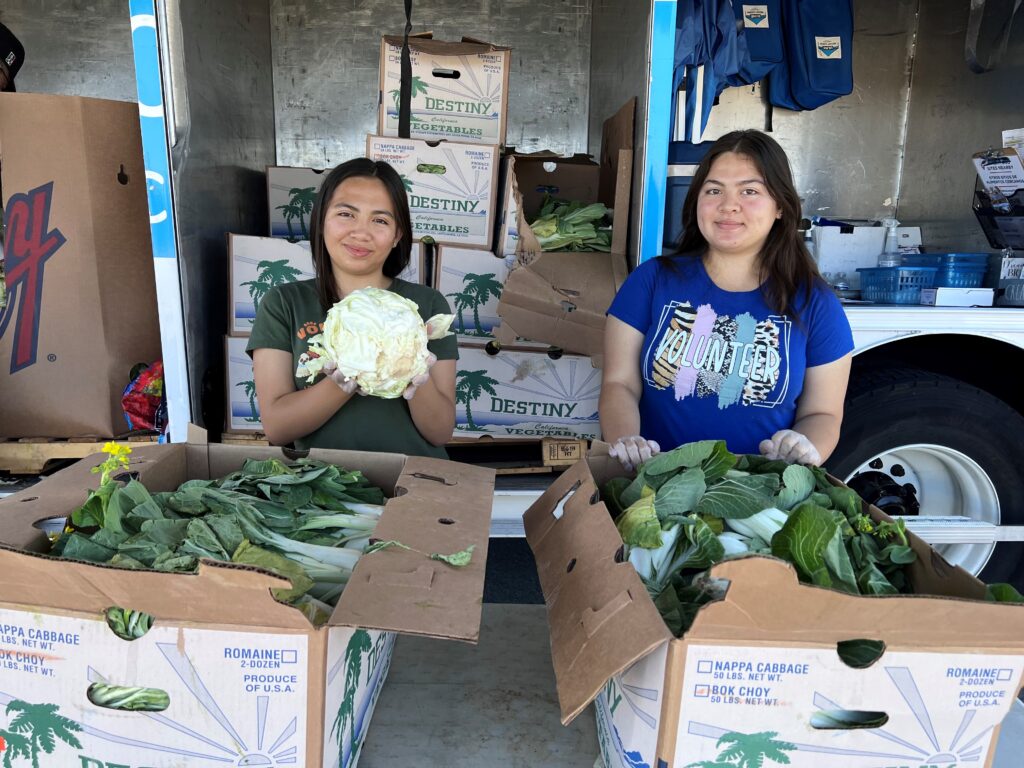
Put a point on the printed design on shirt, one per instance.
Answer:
(305, 332)
(738, 360)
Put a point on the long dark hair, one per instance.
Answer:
(397, 260)
(785, 266)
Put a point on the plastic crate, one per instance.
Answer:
(945, 259)
(895, 285)
(960, 277)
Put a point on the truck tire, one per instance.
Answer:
(953, 448)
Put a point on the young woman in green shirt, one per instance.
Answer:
(360, 236)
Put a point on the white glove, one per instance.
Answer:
(347, 385)
(633, 450)
(423, 378)
(792, 447)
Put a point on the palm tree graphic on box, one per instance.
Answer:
(476, 291)
(748, 750)
(250, 392)
(271, 273)
(469, 386)
(300, 203)
(359, 645)
(35, 728)
(417, 86)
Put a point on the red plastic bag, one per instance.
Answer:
(143, 399)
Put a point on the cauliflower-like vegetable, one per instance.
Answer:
(377, 338)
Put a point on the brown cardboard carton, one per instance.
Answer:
(516, 393)
(82, 299)
(290, 195)
(460, 89)
(560, 297)
(451, 187)
(250, 681)
(525, 180)
(763, 660)
(243, 408)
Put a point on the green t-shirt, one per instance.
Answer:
(291, 313)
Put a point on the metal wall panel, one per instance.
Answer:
(73, 47)
(618, 72)
(326, 69)
(219, 171)
(845, 155)
(953, 114)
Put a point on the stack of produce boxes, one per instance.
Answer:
(257, 264)
(459, 107)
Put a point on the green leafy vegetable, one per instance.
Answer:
(128, 624)
(639, 525)
(306, 522)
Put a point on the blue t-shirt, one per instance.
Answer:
(722, 365)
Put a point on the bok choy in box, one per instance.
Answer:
(560, 296)
(242, 679)
(759, 677)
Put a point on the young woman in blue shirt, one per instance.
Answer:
(736, 336)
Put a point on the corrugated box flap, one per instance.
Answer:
(440, 507)
(599, 615)
(561, 299)
(220, 593)
(467, 46)
(765, 603)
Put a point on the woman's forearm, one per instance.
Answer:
(302, 412)
(433, 413)
(619, 411)
(822, 429)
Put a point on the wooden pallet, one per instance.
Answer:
(520, 457)
(507, 457)
(244, 438)
(32, 455)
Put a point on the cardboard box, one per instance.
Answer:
(242, 407)
(259, 263)
(459, 89)
(527, 178)
(519, 394)
(764, 658)
(1006, 275)
(957, 297)
(472, 281)
(451, 187)
(290, 196)
(79, 263)
(560, 297)
(250, 681)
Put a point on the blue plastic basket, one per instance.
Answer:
(960, 277)
(945, 260)
(895, 285)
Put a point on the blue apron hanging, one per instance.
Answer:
(706, 54)
(759, 40)
(818, 63)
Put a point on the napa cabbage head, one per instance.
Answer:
(377, 338)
